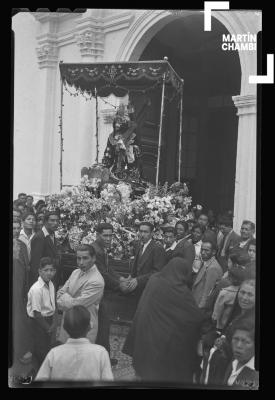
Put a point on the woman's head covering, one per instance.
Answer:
(176, 271)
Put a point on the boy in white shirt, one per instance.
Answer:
(42, 310)
(78, 359)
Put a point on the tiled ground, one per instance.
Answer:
(123, 371)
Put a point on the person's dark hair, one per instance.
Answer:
(213, 245)
(49, 213)
(22, 194)
(247, 325)
(87, 247)
(246, 222)
(30, 196)
(147, 223)
(26, 214)
(170, 229)
(237, 274)
(77, 322)
(226, 221)
(102, 226)
(253, 242)
(198, 226)
(39, 203)
(45, 261)
(183, 223)
(240, 258)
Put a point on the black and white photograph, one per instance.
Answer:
(134, 198)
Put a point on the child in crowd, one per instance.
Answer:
(41, 309)
(227, 296)
(78, 359)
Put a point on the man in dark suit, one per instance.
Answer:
(112, 283)
(170, 242)
(230, 240)
(44, 244)
(149, 258)
(184, 247)
(208, 235)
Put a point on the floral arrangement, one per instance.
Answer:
(81, 210)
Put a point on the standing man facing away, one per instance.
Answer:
(44, 244)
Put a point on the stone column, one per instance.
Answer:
(48, 61)
(245, 178)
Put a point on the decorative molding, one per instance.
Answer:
(54, 16)
(246, 104)
(47, 55)
(91, 43)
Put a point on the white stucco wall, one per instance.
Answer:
(28, 98)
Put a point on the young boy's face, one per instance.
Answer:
(47, 273)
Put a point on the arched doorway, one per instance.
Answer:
(210, 124)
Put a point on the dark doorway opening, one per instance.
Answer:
(210, 124)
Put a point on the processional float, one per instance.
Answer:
(99, 80)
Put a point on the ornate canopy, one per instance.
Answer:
(120, 78)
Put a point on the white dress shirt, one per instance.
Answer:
(46, 233)
(41, 298)
(144, 246)
(235, 372)
(27, 240)
(76, 360)
(197, 261)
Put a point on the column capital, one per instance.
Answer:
(47, 54)
(246, 104)
(91, 42)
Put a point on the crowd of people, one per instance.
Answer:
(194, 301)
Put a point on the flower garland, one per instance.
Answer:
(81, 211)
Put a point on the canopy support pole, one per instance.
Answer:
(96, 130)
(61, 136)
(160, 127)
(180, 132)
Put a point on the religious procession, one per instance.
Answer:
(143, 272)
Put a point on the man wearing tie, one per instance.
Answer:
(43, 244)
(149, 258)
(170, 242)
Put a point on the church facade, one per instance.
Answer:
(220, 105)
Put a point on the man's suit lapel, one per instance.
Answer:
(50, 243)
(200, 275)
(145, 255)
(78, 282)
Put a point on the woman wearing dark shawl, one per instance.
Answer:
(166, 328)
